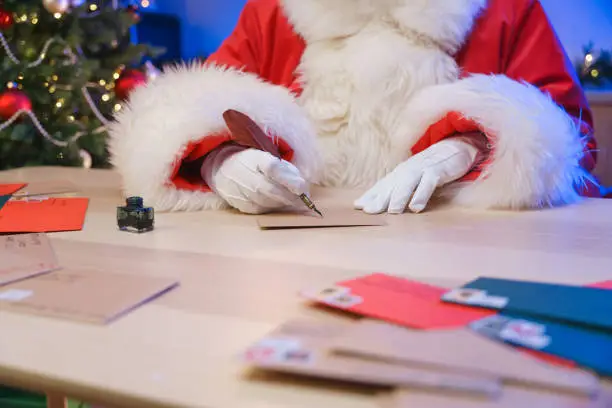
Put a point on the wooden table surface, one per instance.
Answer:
(238, 283)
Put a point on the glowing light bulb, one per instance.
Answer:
(102, 82)
(57, 15)
(93, 7)
(106, 97)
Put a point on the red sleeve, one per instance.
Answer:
(536, 56)
(241, 50)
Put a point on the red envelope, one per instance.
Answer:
(602, 285)
(48, 215)
(8, 189)
(397, 300)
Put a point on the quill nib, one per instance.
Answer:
(306, 200)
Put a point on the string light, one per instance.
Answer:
(50, 83)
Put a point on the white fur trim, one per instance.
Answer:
(537, 146)
(185, 104)
(443, 21)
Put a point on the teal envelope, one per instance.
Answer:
(3, 200)
(590, 349)
(575, 305)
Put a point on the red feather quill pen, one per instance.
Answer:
(246, 132)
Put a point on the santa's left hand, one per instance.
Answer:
(414, 181)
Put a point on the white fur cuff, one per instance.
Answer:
(537, 147)
(184, 105)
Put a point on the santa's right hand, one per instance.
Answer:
(255, 182)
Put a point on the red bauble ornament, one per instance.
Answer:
(6, 19)
(12, 101)
(128, 81)
(133, 10)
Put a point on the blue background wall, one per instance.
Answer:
(207, 22)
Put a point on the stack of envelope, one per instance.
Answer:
(488, 343)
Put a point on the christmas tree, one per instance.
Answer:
(68, 66)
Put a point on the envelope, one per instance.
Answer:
(512, 397)
(25, 256)
(332, 218)
(302, 347)
(39, 188)
(87, 296)
(3, 200)
(584, 306)
(46, 215)
(588, 348)
(459, 351)
(8, 189)
(396, 300)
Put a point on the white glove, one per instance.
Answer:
(255, 182)
(416, 179)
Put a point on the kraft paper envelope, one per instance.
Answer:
(85, 296)
(459, 350)
(511, 397)
(331, 219)
(301, 347)
(39, 188)
(25, 256)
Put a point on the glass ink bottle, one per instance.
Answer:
(134, 216)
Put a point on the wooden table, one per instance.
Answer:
(238, 283)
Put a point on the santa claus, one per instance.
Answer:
(473, 100)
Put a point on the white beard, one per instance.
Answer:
(362, 65)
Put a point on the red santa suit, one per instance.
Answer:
(349, 89)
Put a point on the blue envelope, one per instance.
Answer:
(577, 305)
(591, 349)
